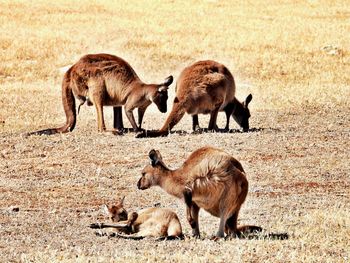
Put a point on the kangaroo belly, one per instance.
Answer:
(111, 91)
(206, 204)
(208, 197)
(201, 106)
(203, 102)
(200, 110)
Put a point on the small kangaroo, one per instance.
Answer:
(108, 80)
(206, 87)
(149, 222)
(210, 179)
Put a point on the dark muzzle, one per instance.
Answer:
(139, 184)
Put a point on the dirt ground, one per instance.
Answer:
(297, 163)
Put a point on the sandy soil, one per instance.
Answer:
(297, 163)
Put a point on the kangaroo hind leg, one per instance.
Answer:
(174, 228)
(213, 117)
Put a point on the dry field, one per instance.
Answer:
(293, 56)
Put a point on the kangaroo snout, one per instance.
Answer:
(139, 185)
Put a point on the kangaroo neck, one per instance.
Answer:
(134, 86)
(237, 104)
(173, 183)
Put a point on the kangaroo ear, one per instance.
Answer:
(248, 99)
(105, 209)
(167, 82)
(154, 157)
(122, 200)
(162, 88)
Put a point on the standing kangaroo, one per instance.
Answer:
(107, 80)
(148, 222)
(206, 87)
(210, 179)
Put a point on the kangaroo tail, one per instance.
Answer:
(254, 232)
(133, 237)
(248, 229)
(68, 102)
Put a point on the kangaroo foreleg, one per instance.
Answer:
(195, 223)
(176, 114)
(119, 226)
(131, 118)
(141, 113)
(192, 211)
(187, 193)
(228, 111)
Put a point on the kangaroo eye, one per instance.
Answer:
(143, 174)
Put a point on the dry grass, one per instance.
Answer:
(293, 56)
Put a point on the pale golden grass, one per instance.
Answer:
(276, 48)
(293, 56)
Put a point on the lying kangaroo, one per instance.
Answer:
(210, 179)
(148, 222)
(206, 87)
(107, 80)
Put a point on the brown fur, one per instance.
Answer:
(206, 87)
(148, 222)
(210, 179)
(107, 80)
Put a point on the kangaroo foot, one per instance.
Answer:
(115, 131)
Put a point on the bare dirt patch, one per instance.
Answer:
(298, 184)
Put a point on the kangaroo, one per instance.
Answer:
(108, 80)
(210, 179)
(206, 87)
(149, 222)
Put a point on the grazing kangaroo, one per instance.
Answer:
(206, 87)
(210, 179)
(107, 80)
(148, 222)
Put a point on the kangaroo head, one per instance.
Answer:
(116, 212)
(152, 173)
(241, 114)
(160, 96)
